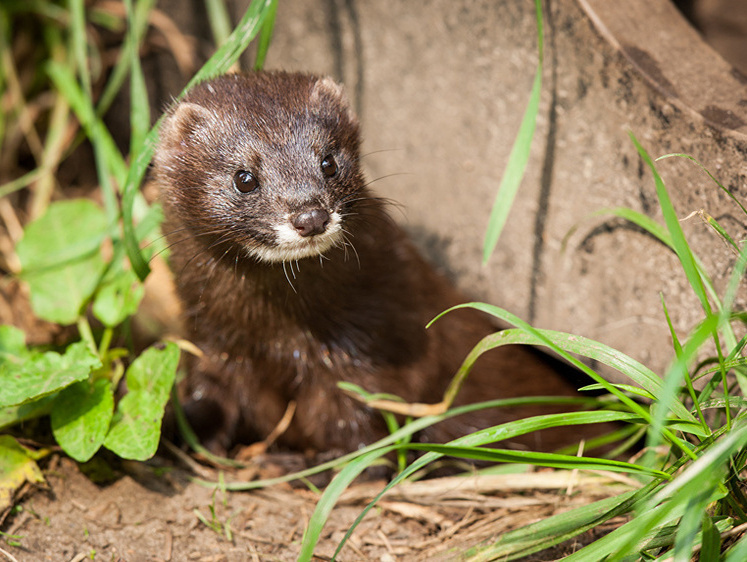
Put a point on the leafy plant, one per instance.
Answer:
(83, 261)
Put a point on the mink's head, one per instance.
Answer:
(266, 162)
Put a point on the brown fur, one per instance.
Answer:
(275, 332)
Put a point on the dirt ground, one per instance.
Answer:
(152, 513)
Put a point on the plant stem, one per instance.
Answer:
(84, 328)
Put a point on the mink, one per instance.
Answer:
(294, 277)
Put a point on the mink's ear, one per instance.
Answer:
(327, 88)
(185, 124)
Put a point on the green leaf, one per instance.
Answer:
(12, 415)
(553, 460)
(136, 426)
(44, 373)
(626, 387)
(12, 343)
(139, 106)
(59, 296)
(118, 299)
(670, 501)
(154, 372)
(220, 21)
(494, 434)
(263, 43)
(331, 494)
(65, 82)
(737, 552)
(519, 156)
(68, 231)
(60, 258)
(81, 416)
(562, 344)
(17, 466)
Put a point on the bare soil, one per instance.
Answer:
(155, 513)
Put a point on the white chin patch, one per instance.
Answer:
(290, 245)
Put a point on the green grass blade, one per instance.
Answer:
(139, 103)
(419, 424)
(220, 21)
(737, 552)
(672, 500)
(678, 353)
(693, 275)
(625, 387)
(512, 176)
(660, 232)
(562, 343)
(551, 460)
(711, 542)
(64, 81)
(710, 175)
(556, 529)
(331, 494)
(487, 436)
(725, 236)
(221, 61)
(79, 42)
(689, 527)
(265, 36)
(136, 29)
(639, 219)
(519, 156)
(672, 222)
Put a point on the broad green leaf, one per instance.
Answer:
(44, 373)
(60, 258)
(17, 466)
(118, 299)
(81, 416)
(12, 415)
(12, 344)
(136, 427)
(154, 372)
(60, 295)
(68, 231)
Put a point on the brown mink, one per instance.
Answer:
(293, 278)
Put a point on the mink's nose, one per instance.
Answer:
(311, 222)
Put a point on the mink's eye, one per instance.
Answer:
(245, 182)
(329, 166)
